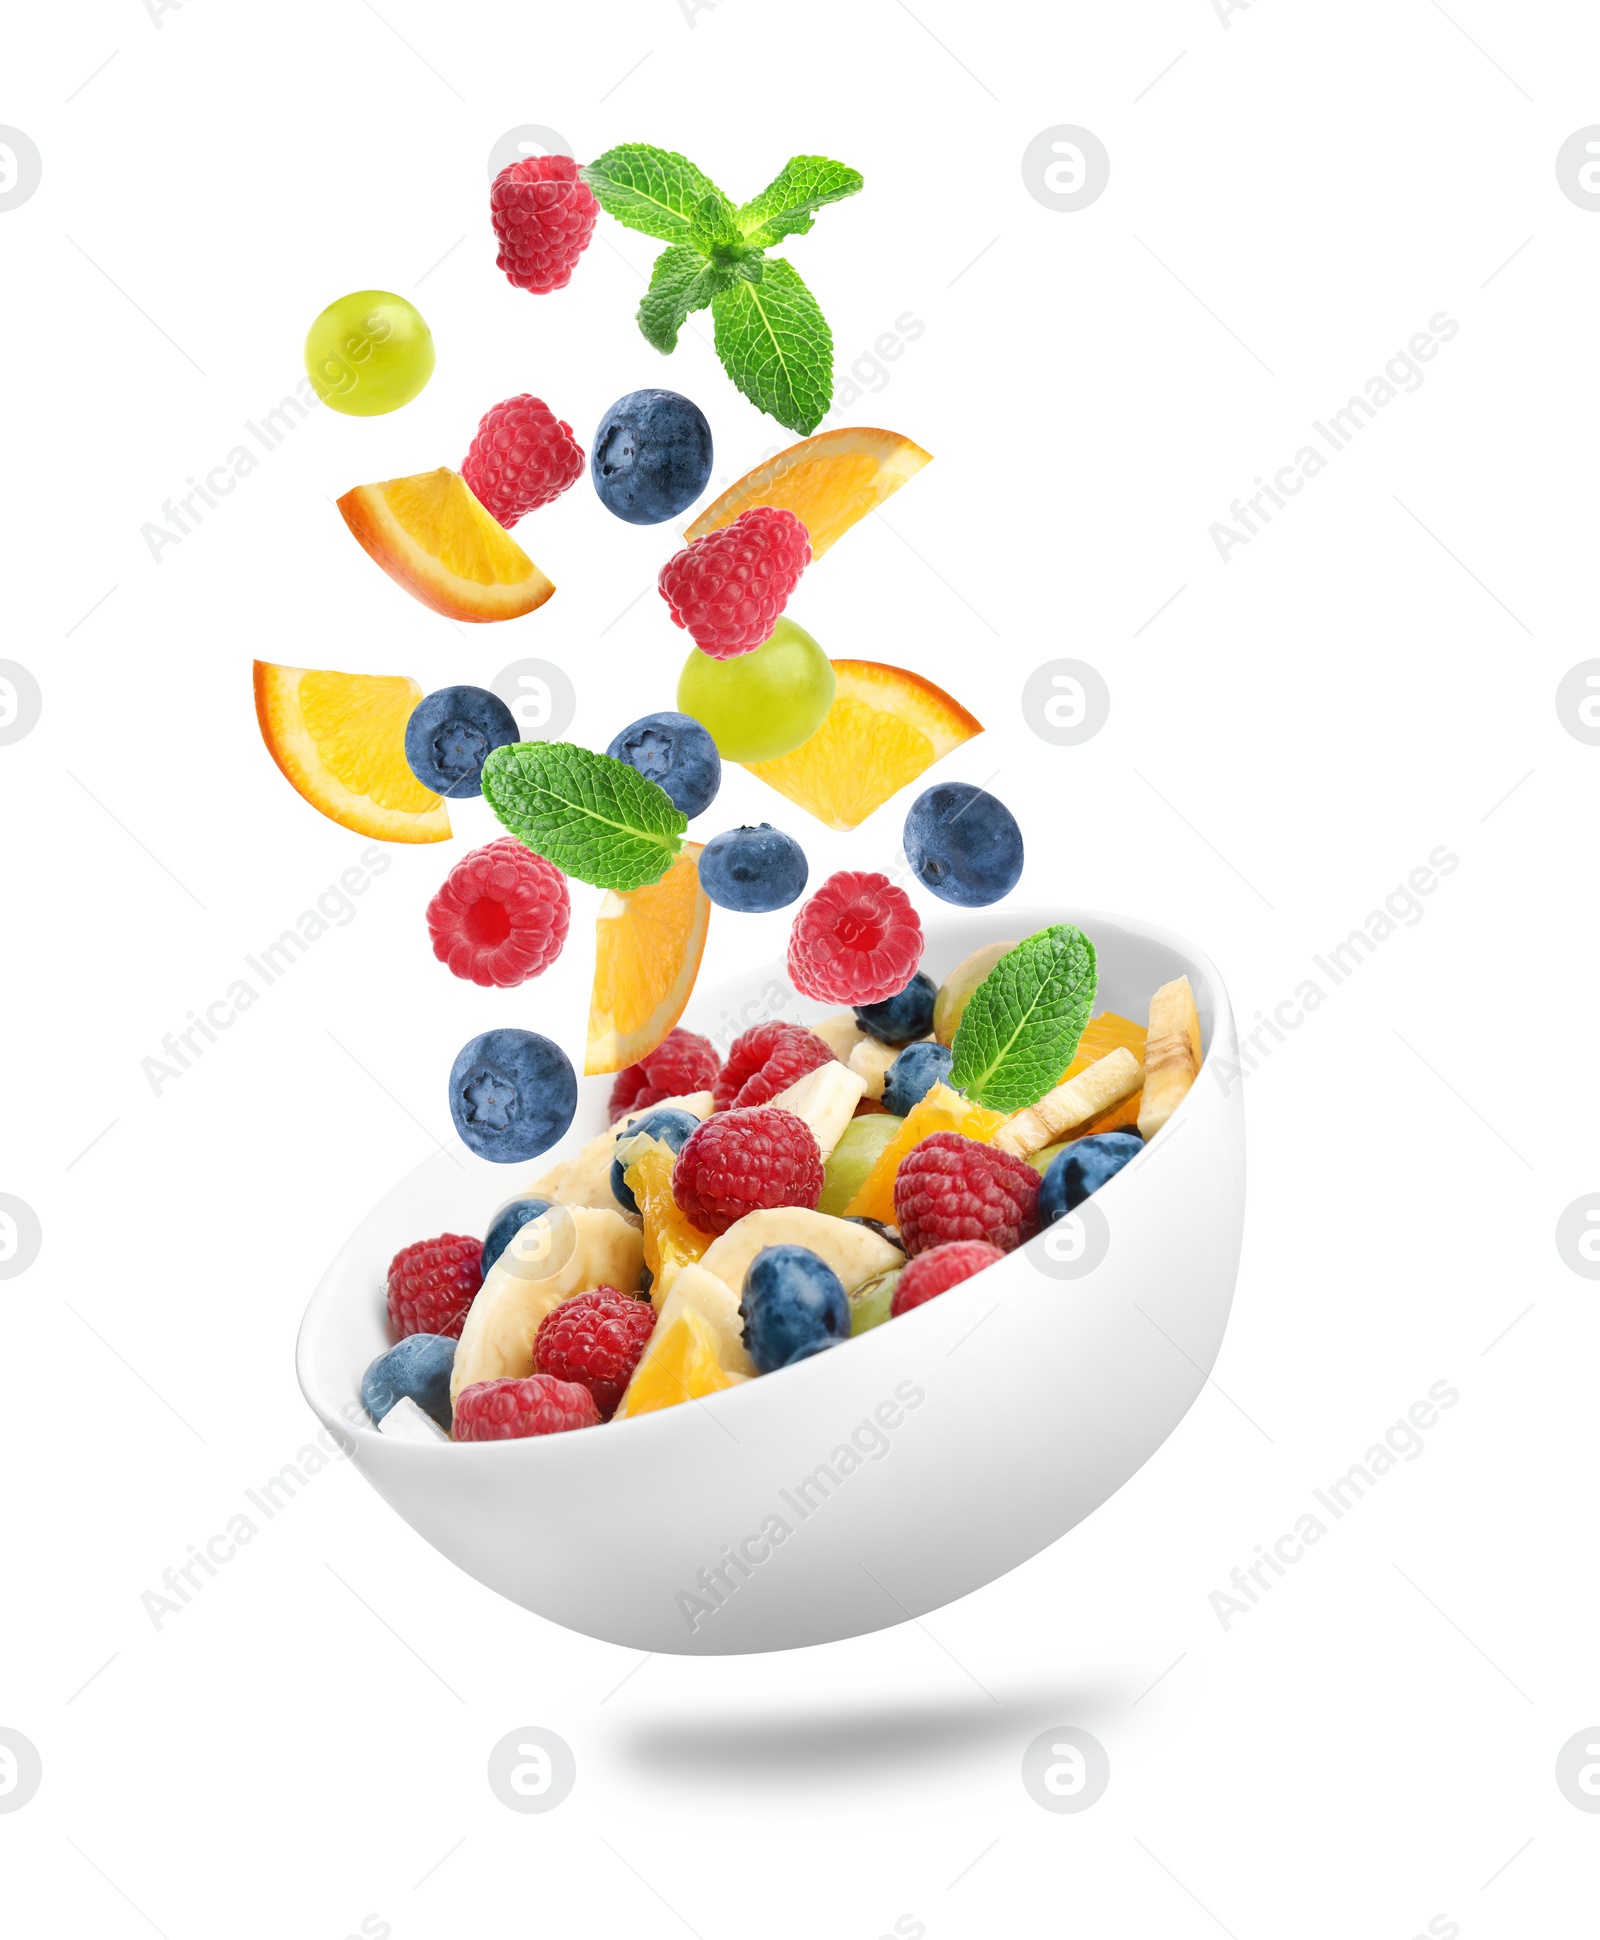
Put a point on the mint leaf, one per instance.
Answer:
(775, 344)
(714, 228)
(595, 818)
(650, 189)
(681, 282)
(1022, 1025)
(785, 207)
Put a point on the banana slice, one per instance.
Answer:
(505, 1313)
(1106, 1082)
(854, 1252)
(1171, 1055)
(826, 1099)
(870, 1060)
(585, 1179)
(697, 1291)
(841, 1033)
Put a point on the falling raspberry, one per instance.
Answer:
(522, 457)
(727, 589)
(857, 941)
(501, 915)
(544, 216)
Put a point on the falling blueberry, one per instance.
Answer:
(753, 869)
(963, 844)
(450, 735)
(675, 753)
(651, 456)
(512, 1095)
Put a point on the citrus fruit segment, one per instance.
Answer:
(885, 727)
(648, 945)
(942, 1110)
(431, 536)
(1101, 1036)
(340, 740)
(670, 1242)
(681, 1366)
(828, 482)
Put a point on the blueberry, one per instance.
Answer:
(963, 844)
(675, 753)
(420, 1367)
(1083, 1168)
(817, 1346)
(651, 456)
(505, 1226)
(512, 1095)
(898, 1019)
(665, 1122)
(753, 870)
(791, 1300)
(450, 735)
(913, 1074)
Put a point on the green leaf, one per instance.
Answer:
(594, 818)
(650, 189)
(681, 283)
(775, 344)
(715, 230)
(786, 206)
(1022, 1025)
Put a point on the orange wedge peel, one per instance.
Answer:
(828, 482)
(648, 946)
(431, 536)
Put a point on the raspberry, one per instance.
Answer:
(523, 457)
(856, 941)
(939, 1269)
(543, 216)
(950, 1187)
(681, 1063)
(501, 915)
(505, 1410)
(431, 1284)
(766, 1060)
(728, 588)
(739, 1161)
(595, 1339)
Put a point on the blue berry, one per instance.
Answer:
(913, 1075)
(791, 1299)
(419, 1366)
(818, 1346)
(450, 735)
(665, 1122)
(512, 1095)
(753, 870)
(675, 753)
(651, 456)
(900, 1018)
(505, 1226)
(963, 844)
(1083, 1168)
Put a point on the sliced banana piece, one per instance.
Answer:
(841, 1033)
(870, 1060)
(697, 1291)
(1171, 1055)
(1106, 1082)
(826, 1099)
(497, 1340)
(585, 1178)
(854, 1252)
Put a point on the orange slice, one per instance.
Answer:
(827, 482)
(941, 1110)
(340, 740)
(431, 536)
(885, 727)
(648, 946)
(1101, 1036)
(680, 1366)
(670, 1242)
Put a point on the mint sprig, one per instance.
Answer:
(1022, 1024)
(770, 332)
(593, 817)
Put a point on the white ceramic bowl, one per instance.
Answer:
(982, 1426)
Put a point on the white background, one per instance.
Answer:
(1290, 735)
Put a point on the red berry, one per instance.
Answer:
(544, 217)
(728, 588)
(768, 1059)
(939, 1269)
(680, 1064)
(501, 915)
(505, 1410)
(740, 1161)
(950, 1187)
(431, 1284)
(595, 1339)
(856, 941)
(523, 457)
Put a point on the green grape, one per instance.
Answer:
(860, 1145)
(369, 353)
(764, 703)
(870, 1302)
